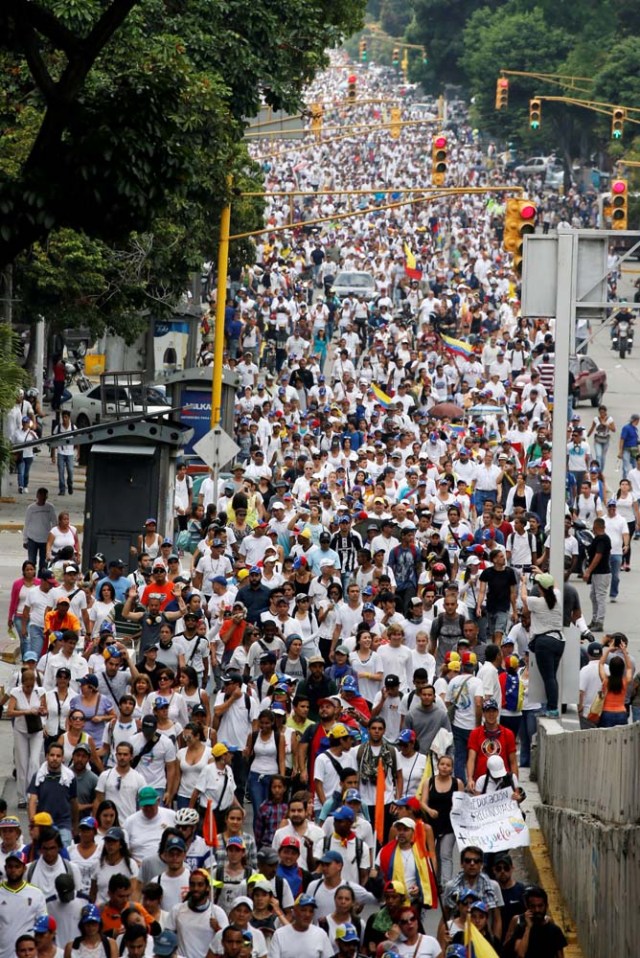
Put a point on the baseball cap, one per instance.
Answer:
(90, 913)
(175, 842)
(149, 721)
(63, 600)
(11, 821)
(147, 796)
(89, 680)
(391, 681)
(46, 574)
(309, 900)
(82, 747)
(17, 855)
(343, 814)
(117, 833)
(490, 704)
(268, 855)
(594, 649)
(165, 943)
(405, 736)
(352, 795)
(338, 731)
(44, 924)
(30, 657)
(290, 841)
(331, 856)
(42, 818)
(346, 932)
(407, 822)
(236, 840)
(219, 749)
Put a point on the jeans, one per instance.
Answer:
(444, 852)
(481, 497)
(496, 622)
(548, 652)
(528, 728)
(615, 562)
(626, 555)
(635, 713)
(22, 636)
(600, 451)
(258, 788)
(24, 468)
(512, 722)
(628, 460)
(37, 553)
(65, 464)
(612, 719)
(35, 641)
(460, 742)
(600, 585)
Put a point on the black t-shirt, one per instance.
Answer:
(499, 583)
(601, 545)
(571, 603)
(513, 904)
(545, 941)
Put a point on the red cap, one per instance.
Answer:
(290, 841)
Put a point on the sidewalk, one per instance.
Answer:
(43, 473)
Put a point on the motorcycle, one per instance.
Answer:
(74, 372)
(585, 538)
(622, 337)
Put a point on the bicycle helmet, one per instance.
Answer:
(187, 816)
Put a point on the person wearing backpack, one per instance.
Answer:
(355, 856)
(265, 753)
(464, 698)
(404, 561)
(91, 936)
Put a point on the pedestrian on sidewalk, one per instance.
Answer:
(65, 453)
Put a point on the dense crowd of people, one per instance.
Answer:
(250, 744)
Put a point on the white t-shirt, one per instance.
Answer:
(145, 833)
(412, 768)
(124, 797)
(312, 943)
(38, 603)
(397, 661)
(463, 690)
(105, 872)
(392, 711)
(44, 876)
(174, 889)
(427, 947)
(325, 773)
(153, 765)
(194, 932)
(590, 684)
(235, 724)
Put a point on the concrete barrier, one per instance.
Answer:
(590, 788)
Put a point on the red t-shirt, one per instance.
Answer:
(502, 743)
(166, 590)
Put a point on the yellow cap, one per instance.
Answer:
(338, 731)
(219, 749)
(42, 818)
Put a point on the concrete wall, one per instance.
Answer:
(589, 784)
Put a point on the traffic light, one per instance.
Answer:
(316, 111)
(351, 88)
(617, 122)
(439, 159)
(535, 114)
(502, 93)
(363, 51)
(395, 122)
(395, 59)
(620, 204)
(520, 220)
(425, 57)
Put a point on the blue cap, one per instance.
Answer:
(88, 822)
(487, 534)
(346, 932)
(255, 569)
(309, 900)
(344, 814)
(218, 579)
(368, 607)
(160, 702)
(406, 735)
(165, 943)
(114, 652)
(90, 913)
(344, 519)
(32, 656)
(490, 704)
(456, 951)
(43, 924)
(352, 795)
(480, 906)
(331, 856)
(349, 684)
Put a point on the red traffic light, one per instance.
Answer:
(528, 212)
(503, 83)
(440, 142)
(618, 186)
(352, 78)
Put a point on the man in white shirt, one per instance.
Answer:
(121, 784)
(618, 531)
(146, 826)
(193, 922)
(156, 758)
(488, 673)
(590, 683)
(69, 589)
(329, 764)
(301, 937)
(466, 693)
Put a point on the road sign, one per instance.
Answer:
(216, 448)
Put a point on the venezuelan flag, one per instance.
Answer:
(410, 265)
(457, 346)
(476, 944)
(382, 397)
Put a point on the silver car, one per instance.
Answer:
(355, 283)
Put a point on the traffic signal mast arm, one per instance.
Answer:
(557, 79)
(595, 105)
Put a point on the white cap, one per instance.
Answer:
(496, 767)
(408, 822)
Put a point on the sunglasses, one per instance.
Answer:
(472, 861)
(406, 921)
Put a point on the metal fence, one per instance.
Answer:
(596, 772)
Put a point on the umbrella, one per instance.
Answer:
(446, 409)
(485, 409)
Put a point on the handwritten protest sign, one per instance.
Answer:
(492, 822)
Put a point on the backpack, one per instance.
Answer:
(437, 625)
(326, 845)
(32, 866)
(77, 942)
(303, 663)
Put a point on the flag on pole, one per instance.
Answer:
(209, 827)
(410, 265)
(457, 346)
(476, 944)
(381, 396)
(379, 815)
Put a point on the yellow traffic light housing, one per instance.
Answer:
(619, 204)
(520, 221)
(351, 88)
(535, 114)
(502, 93)
(316, 110)
(395, 122)
(363, 51)
(617, 122)
(439, 155)
(395, 59)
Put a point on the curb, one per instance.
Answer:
(539, 865)
(17, 526)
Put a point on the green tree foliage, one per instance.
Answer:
(395, 17)
(111, 111)
(11, 377)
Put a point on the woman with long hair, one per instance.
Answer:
(61, 535)
(193, 757)
(115, 859)
(86, 853)
(141, 688)
(265, 754)
(367, 667)
(103, 608)
(58, 705)
(614, 685)
(305, 624)
(96, 708)
(166, 688)
(630, 511)
(436, 801)
(91, 942)
(150, 540)
(327, 612)
(107, 817)
(547, 637)
(75, 735)
(16, 602)
(191, 692)
(26, 709)
(344, 911)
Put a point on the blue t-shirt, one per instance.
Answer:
(55, 798)
(629, 436)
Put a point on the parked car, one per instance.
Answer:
(355, 283)
(120, 401)
(535, 164)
